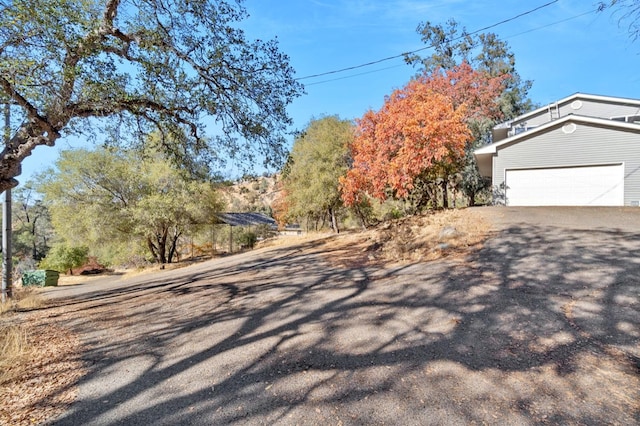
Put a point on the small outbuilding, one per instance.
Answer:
(244, 219)
(583, 150)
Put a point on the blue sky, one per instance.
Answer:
(563, 48)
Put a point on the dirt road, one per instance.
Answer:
(541, 325)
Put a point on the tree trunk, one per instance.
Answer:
(361, 216)
(173, 246)
(152, 249)
(334, 221)
(454, 195)
(172, 251)
(34, 245)
(472, 199)
(445, 194)
(34, 131)
(162, 247)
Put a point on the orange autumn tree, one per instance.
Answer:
(280, 207)
(415, 129)
(478, 91)
(420, 134)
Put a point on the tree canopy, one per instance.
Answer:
(174, 66)
(105, 198)
(319, 157)
(63, 258)
(420, 134)
(416, 129)
(484, 52)
(31, 224)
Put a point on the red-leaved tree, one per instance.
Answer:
(419, 134)
(415, 128)
(476, 90)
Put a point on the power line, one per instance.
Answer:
(354, 75)
(552, 24)
(505, 38)
(427, 47)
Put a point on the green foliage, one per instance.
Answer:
(106, 198)
(246, 238)
(364, 211)
(320, 156)
(126, 68)
(485, 52)
(63, 258)
(472, 183)
(32, 229)
(265, 231)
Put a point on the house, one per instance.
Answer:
(583, 150)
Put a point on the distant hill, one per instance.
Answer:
(250, 194)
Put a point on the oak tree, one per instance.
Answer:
(116, 200)
(319, 157)
(487, 54)
(125, 67)
(416, 130)
(32, 230)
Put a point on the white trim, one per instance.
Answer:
(578, 119)
(565, 166)
(576, 96)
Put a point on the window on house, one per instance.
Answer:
(635, 119)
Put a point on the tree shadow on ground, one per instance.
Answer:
(540, 325)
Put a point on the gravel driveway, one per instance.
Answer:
(541, 325)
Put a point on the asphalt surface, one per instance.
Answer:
(540, 326)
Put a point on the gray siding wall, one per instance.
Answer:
(588, 145)
(590, 108)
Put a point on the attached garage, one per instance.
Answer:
(569, 161)
(601, 185)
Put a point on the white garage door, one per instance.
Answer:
(573, 186)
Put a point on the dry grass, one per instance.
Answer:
(29, 299)
(38, 361)
(39, 367)
(14, 341)
(430, 236)
(289, 240)
(24, 299)
(417, 238)
(14, 349)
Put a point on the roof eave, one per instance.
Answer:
(492, 149)
(569, 98)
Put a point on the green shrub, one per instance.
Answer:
(247, 239)
(63, 258)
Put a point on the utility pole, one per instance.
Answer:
(6, 218)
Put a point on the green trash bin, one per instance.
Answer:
(41, 278)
